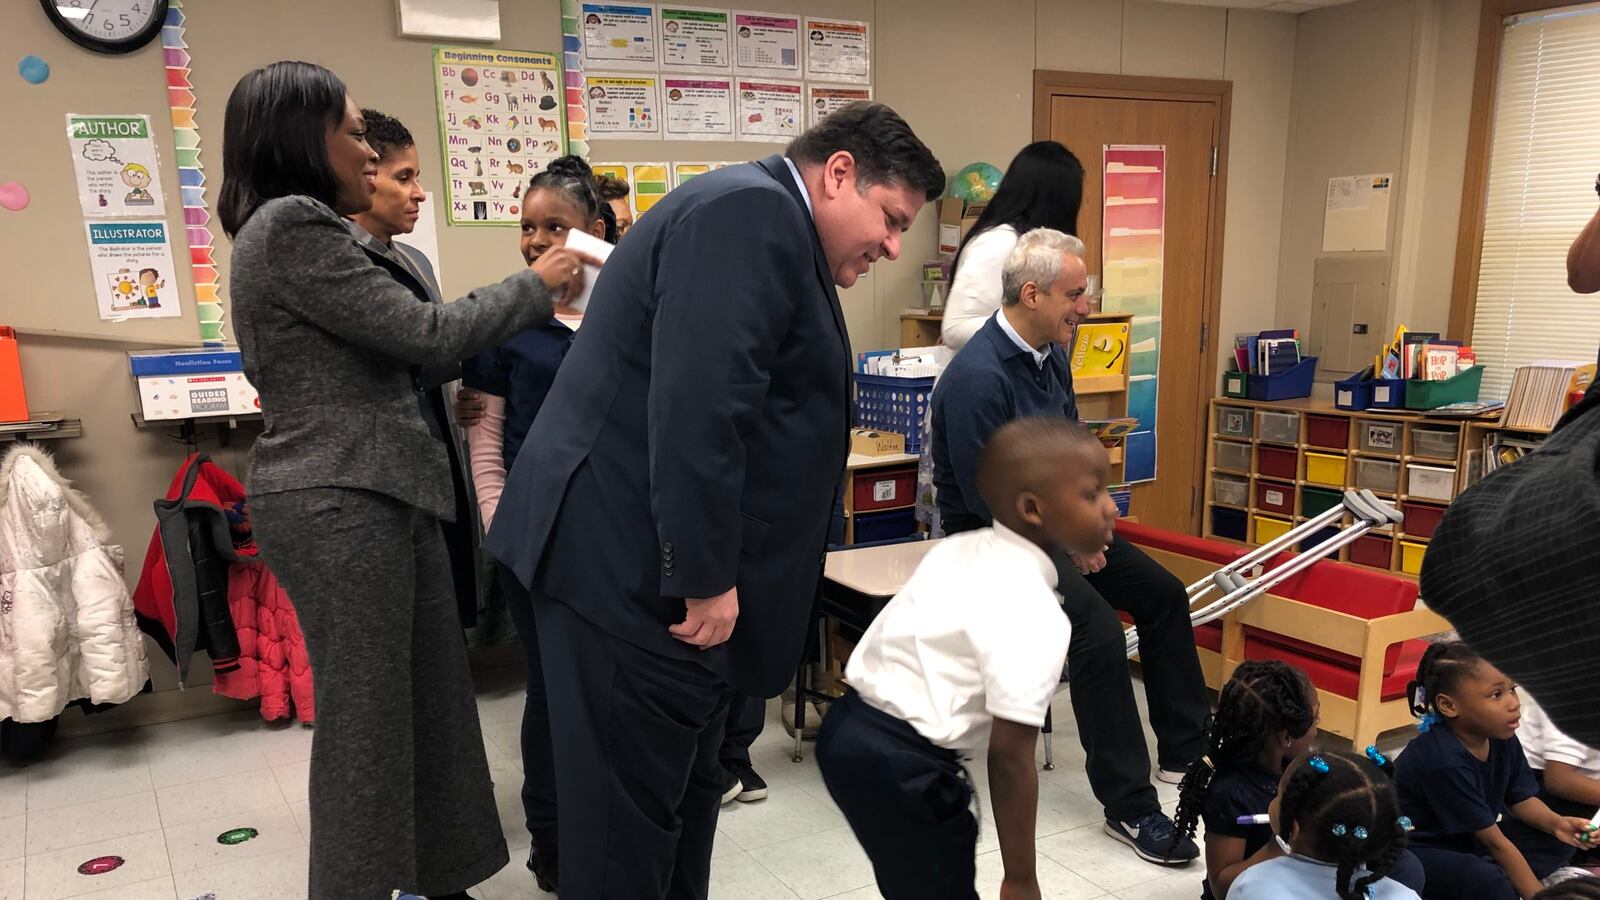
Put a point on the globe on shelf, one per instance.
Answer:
(975, 183)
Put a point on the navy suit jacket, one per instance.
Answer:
(696, 431)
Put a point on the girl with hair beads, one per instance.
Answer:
(1266, 716)
(1463, 772)
(1336, 815)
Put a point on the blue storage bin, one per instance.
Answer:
(1318, 538)
(1122, 498)
(1353, 394)
(1289, 385)
(1388, 393)
(885, 526)
(1229, 523)
(894, 404)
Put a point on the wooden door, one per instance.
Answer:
(1087, 113)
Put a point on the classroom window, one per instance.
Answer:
(1544, 153)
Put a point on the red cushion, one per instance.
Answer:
(1335, 678)
(1181, 544)
(1209, 636)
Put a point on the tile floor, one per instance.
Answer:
(159, 796)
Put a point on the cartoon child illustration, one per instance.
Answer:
(152, 282)
(592, 19)
(137, 177)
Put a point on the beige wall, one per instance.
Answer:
(961, 72)
(1403, 109)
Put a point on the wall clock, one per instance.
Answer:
(107, 26)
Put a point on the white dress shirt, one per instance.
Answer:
(976, 634)
(1543, 743)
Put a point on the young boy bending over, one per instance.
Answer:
(968, 653)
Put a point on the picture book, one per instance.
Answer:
(1100, 348)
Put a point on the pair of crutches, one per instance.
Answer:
(1237, 588)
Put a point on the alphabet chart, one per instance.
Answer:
(502, 119)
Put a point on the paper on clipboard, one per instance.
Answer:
(584, 242)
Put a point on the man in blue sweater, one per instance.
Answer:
(1016, 366)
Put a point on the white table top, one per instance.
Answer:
(876, 571)
(863, 461)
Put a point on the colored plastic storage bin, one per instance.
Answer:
(1462, 388)
(1274, 497)
(884, 488)
(1285, 386)
(1332, 432)
(1323, 468)
(1231, 456)
(1234, 421)
(1269, 529)
(1352, 393)
(1318, 538)
(1411, 557)
(1314, 501)
(1388, 393)
(1379, 475)
(885, 526)
(1233, 385)
(1422, 519)
(1371, 550)
(1431, 482)
(1435, 443)
(1278, 427)
(1276, 462)
(1230, 489)
(1376, 436)
(1229, 523)
(894, 404)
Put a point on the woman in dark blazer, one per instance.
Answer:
(347, 487)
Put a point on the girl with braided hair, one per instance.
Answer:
(1266, 716)
(1463, 773)
(1337, 817)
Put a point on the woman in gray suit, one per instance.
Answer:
(347, 487)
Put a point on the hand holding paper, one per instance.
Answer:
(595, 252)
(568, 273)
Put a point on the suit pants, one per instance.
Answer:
(636, 739)
(746, 717)
(400, 791)
(538, 753)
(908, 802)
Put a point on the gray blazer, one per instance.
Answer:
(333, 344)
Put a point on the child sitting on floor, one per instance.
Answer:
(1463, 772)
(1336, 815)
(967, 654)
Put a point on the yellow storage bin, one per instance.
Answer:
(1268, 528)
(1411, 557)
(1323, 468)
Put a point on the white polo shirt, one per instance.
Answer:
(1543, 743)
(978, 633)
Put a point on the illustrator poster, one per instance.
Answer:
(1134, 242)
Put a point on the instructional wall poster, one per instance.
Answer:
(115, 161)
(764, 42)
(824, 99)
(618, 35)
(769, 111)
(134, 277)
(624, 107)
(1135, 254)
(1357, 215)
(683, 172)
(696, 38)
(501, 120)
(838, 50)
(699, 109)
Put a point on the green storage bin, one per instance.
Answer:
(1314, 502)
(1233, 385)
(1463, 388)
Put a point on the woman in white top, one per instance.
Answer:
(1042, 188)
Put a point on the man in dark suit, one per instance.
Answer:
(396, 206)
(669, 509)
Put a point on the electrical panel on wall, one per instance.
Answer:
(1350, 310)
(458, 20)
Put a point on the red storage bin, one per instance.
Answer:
(885, 488)
(1332, 432)
(1371, 550)
(1277, 462)
(1274, 497)
(1421, 519)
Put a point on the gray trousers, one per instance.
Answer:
(400, 790)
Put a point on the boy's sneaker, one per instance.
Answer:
(731, 788)
(751, 785)
(1152, 837)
